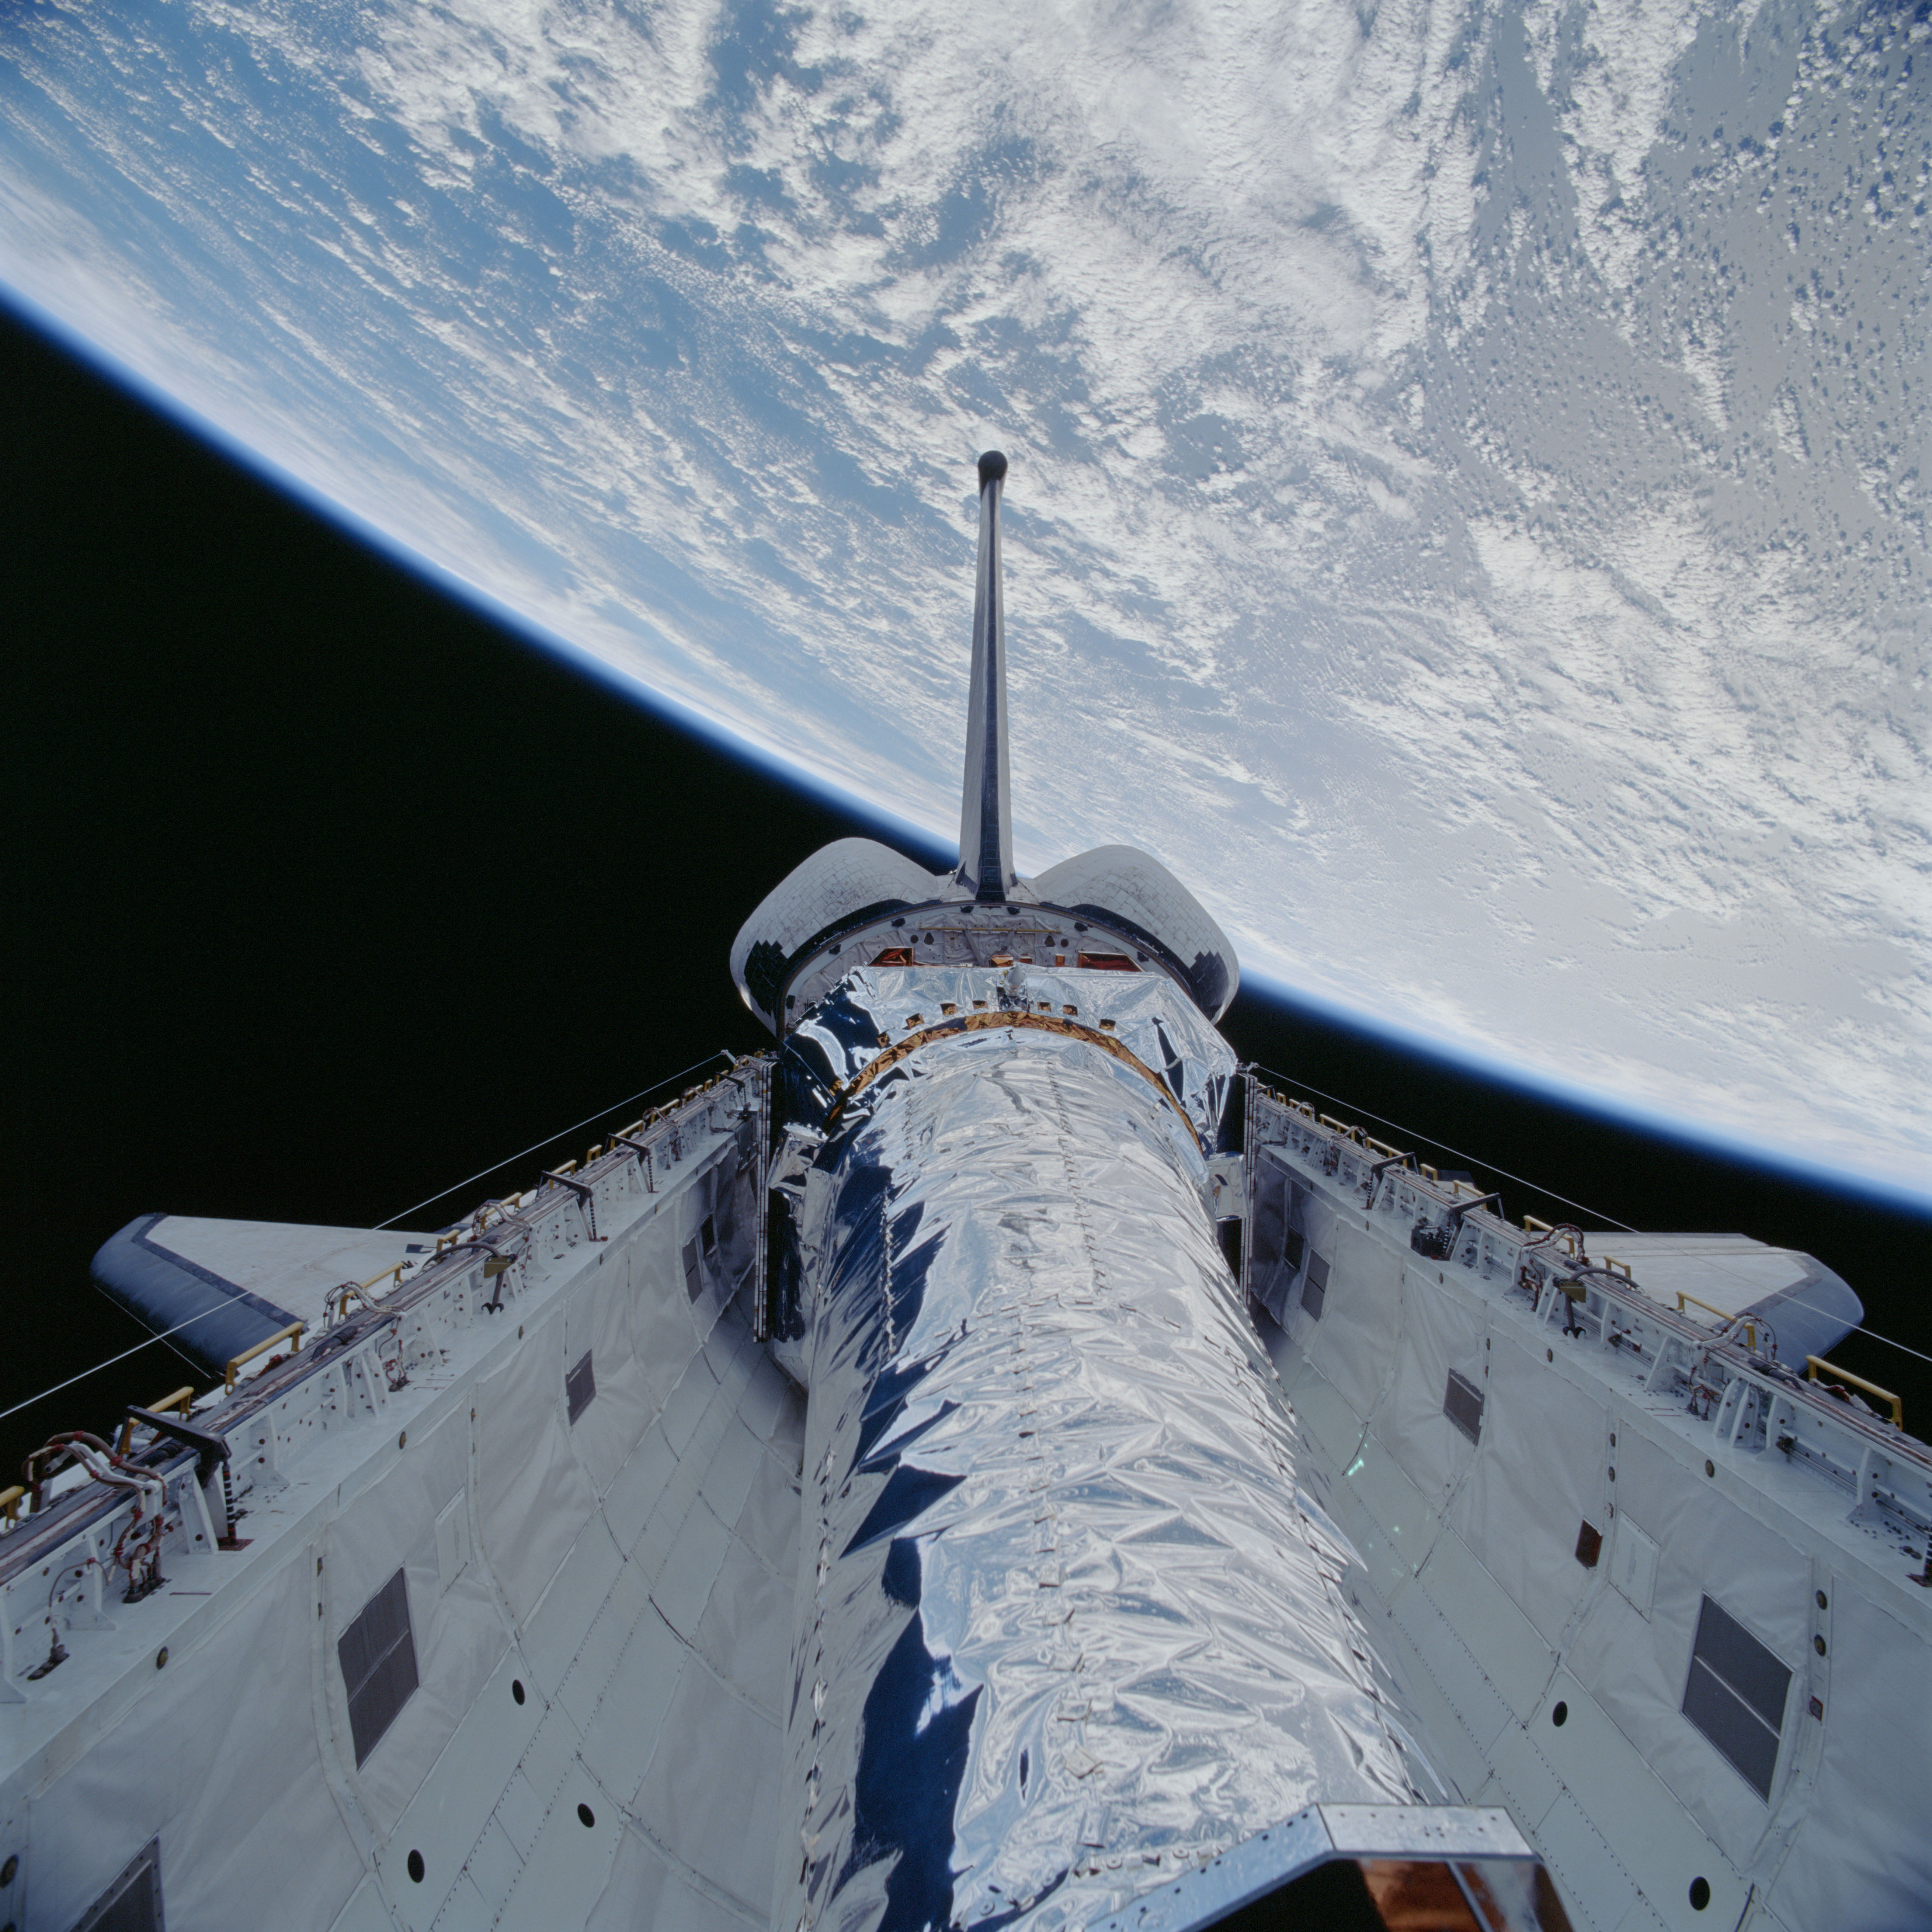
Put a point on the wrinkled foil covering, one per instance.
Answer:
(1065, 1624)
(875, 1009)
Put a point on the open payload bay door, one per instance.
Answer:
(217, 1289)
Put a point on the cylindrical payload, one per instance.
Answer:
(1066, 1624)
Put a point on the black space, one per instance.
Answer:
(331, 891)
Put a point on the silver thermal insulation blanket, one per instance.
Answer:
(1066, 1624)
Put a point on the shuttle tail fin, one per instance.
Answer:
(986, 809)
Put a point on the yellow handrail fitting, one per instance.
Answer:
(1532, 1225)
(291, 1334)
(1611, 1261)
(1431, 1172)
(1816, 1367)
(11, 1500)
(1750, 1326)
(389, 1273)
(183, 1399)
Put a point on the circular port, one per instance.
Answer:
(1561, 1715)
(1700, 1894)
(416, 1867)
(516, 1689)
(586, 1817)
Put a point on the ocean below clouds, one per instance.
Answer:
(1466, 515)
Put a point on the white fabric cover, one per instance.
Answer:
(459, 1633)
(1350, 1343)
(600, 1321)
(533, 1496)
(646, 1894)
(1636, 1667)
(1539, 1476)
(1440, 1331)
(1863, 1856)
(219, 1757)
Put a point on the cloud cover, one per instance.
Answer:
(1467, 512)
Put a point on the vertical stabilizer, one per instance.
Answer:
(985, 812)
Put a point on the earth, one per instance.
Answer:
(1467, 512)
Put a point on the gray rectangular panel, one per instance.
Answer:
(1737, 1657)
(580, 1387)
(1462, 1404)
(1735, 1695)
(378, 1656)
(1315, 1286)
(132, 1903)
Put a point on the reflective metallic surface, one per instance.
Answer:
(875, 1013)
(1065, 1625)
(986, 811)
(1492, 1863)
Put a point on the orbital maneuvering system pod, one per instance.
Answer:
(1071, 1640)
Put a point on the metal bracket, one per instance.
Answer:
(210, 1448)
(644, 1159)
(1264, 1863)
(1380, 1167)
(584, 1192)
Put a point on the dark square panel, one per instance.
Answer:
(1315, 1286)
(1747, 1666)
(1462, 1404)
(1735, 1695)
(132, 1903)
(580, 1387)
(378, 1655)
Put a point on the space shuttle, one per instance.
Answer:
(990, 1460)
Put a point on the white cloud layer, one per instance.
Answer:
(1467, 511)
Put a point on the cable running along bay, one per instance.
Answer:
(656, 1086)
(723, 1053)
(1489, 1166)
